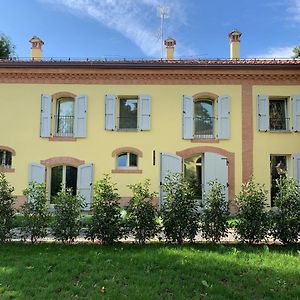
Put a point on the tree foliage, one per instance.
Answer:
(296, 51)
(6, 47)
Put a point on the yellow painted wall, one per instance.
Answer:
(20, 115)
(267, 143)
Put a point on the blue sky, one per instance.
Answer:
(130, 28)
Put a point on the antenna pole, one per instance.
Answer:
(163, 13)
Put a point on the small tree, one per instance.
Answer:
(253, 224)
(180, 209)
(296, 51)
(6, 47)
(66, 218)
(6, 208)
(286, 218)
(141, 213)
(35, 211)
(215, 213)
(106, 223)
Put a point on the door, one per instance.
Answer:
(215, 166)
(169, 163)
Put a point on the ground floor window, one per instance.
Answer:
(278, 168)
(62, 176)
(5, 159)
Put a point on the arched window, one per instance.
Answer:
(5, 158)
(204, 118)
(65, 117)
(127, 160)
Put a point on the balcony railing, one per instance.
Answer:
(64, 126)
(279, 124)
(204, 127)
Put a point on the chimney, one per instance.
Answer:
(234, 37)
(170, 43)
(36, 48)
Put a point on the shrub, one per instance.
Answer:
(141, 213)
(66, 218)
(215, 212)
(253, 224)
(106, 223)
(35, 211)
(180, 209)
(286, 218)
(6, 208)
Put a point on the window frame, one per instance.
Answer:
(286, 113)
(58, 101)
(118, 108)
(128, 166)
(7, 168)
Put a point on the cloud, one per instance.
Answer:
(281, 52)
(294, 8)
(136, 20)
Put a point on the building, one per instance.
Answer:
(73, 121)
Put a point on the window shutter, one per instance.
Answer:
(144, 106)
(224, 117)
(296, 158)
(262, 113)
(80, 116)
(296, 113)
(187, 117)
(110, 111)
(45, 123)
(85, 183)
(36, 173)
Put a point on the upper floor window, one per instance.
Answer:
(278, 115)
(204, 118)
(127, 112)
(65, 117)
(5, 159)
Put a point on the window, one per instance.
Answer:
(203, 118)
(5, 159)
(128, 113)
(278, 115)
(63, 175)
(65, 117)
(127, 160)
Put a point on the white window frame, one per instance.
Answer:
(127, 161)
(286, 113)
(2, 163)
(57, 103)
(118, 107)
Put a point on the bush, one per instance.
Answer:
(6, 208)
(253, 224)
(286, 218)
(35, 212)
(141, 213)
(215, 213)
(180, 209)
(106, 223)
(66, 218)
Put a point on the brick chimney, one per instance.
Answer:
(36, 48)
(170, 43)
(234, 37)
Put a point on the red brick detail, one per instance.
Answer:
(127, 171)
(136, 151)
(231, 163)
(20, 200)
(62, 139)
(7, 170)
(62, 160)
(63, 94)
(205, 141)
(247, 132)
(205, 95)
(6, 148)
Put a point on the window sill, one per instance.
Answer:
(62, 139)
(127, 171)
(204, 140)
(6, 170)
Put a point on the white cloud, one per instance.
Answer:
(133, 19)
(294, 8)
(281, 52)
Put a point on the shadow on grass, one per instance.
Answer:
(155, 271)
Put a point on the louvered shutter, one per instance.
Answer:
(296, 113)
(45, 123)
(262, 113)
(296, 159)
(187, 117)
(36, 173)
(224, 117)
(85, 184)
(80, 116)
(144, 106)
(110, 112)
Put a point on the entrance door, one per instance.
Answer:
(169, 163)
(215, 167)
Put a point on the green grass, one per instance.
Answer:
(155, 271)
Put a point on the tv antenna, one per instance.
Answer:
(163, 13)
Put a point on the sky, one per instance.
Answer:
(118, 29)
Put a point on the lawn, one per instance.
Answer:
(155, 271)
